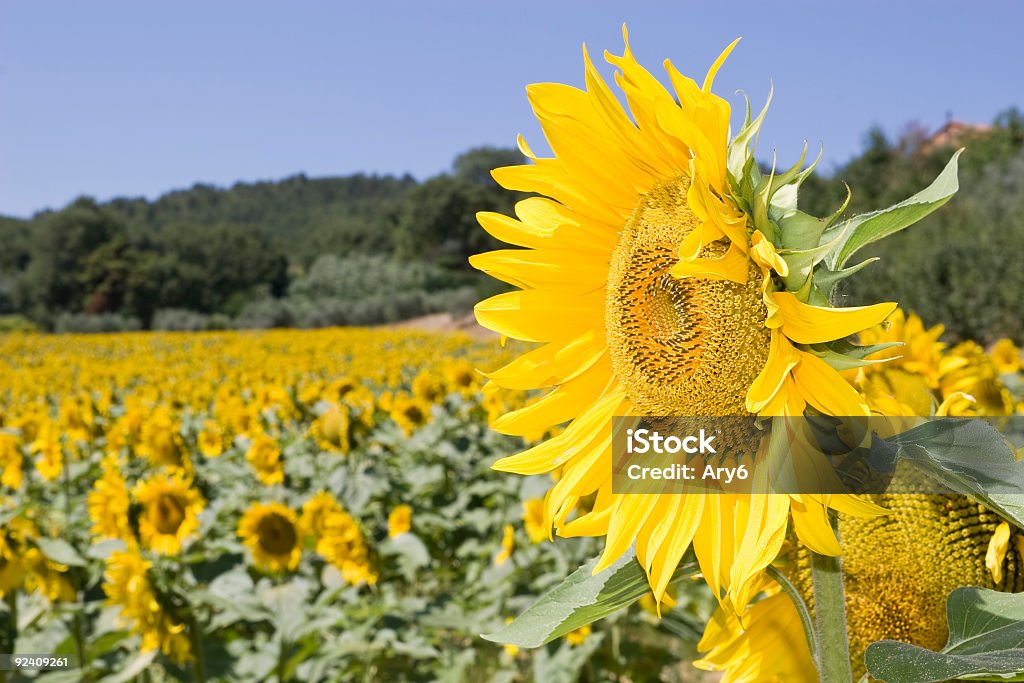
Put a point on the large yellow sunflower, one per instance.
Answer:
(662, 273)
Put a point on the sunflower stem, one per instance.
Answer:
(801, 608)
(11, 629)
(833, 657)
(198, 662)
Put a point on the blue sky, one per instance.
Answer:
(142, 97)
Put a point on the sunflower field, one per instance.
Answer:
(286, 505)
(318, 505)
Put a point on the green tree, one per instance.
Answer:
(62, 243)
(475, 165)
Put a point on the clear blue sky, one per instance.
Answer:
(142, 97)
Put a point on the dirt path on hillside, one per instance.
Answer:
(445, 322)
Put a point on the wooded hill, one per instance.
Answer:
(368, 249)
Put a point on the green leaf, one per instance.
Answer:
(970, 457)
(583, 598)
(60, 551)
(106, 643)
(986, 643)
(136, 667)
(864, 229)
(565, 664)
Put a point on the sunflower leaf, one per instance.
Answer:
(986, 643)
(970, 457)
(863, 229)
(583, 598)
(60, 551)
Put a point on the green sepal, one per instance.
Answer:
(801, 264)
(803, 231)
(825, 280)
(842, 355)
(786, 187)
(863, 229)
(761, 220)
(740, 155)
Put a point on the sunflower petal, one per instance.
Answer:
(806, 324)
(732, 266)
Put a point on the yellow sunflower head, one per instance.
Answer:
(160, 440)
(331, 429)
(211, 439)
(1006, 356)
(109, 503)
(265, 457)
(970, 383)
(341, 543)
(315, 512)
(662, 272)
(533, 520)
(399, 521)
(410, 412)
(271, 532)
(12, 565)
(47, 577)
(461, 377)
(508, 545)
(170, 511)
(11, 461)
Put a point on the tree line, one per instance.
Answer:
(292, 252)
(369, 249)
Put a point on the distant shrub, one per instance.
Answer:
(360, 276)
(183, 320)
(964, 266)
(264, 314)
(16, 323)
(307, 312)
(95, 323)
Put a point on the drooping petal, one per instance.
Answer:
(583, 435)
(782, 358)
(824, 388)
(542, 268)
(806, 324)
(732, 266)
